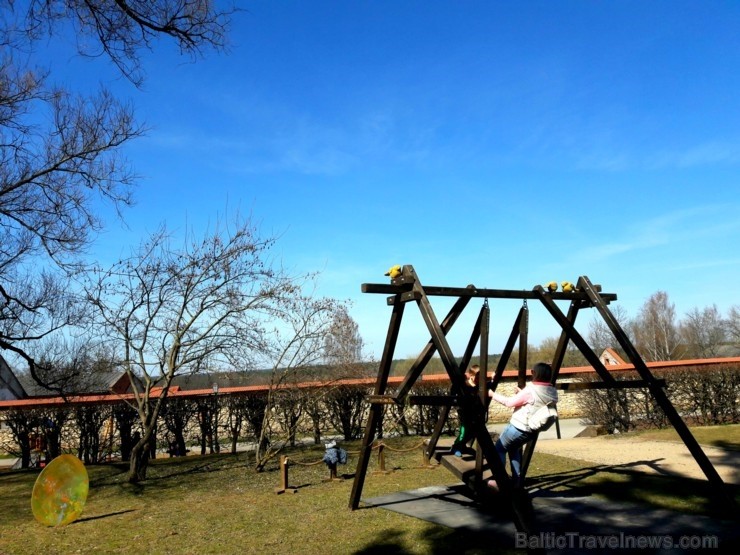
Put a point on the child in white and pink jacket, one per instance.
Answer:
(535, 394)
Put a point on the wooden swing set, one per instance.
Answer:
(405, 286)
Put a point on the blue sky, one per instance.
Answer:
(504, 144)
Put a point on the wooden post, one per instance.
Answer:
(483, 331)
(523, 335)
(381, 459)
(284, 487)
(425, 457)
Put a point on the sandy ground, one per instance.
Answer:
(660, 457)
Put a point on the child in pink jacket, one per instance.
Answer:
(537, 393)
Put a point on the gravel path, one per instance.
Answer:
(660, 457)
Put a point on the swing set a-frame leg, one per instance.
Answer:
(660, 395)
(376, 411)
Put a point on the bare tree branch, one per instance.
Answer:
(60, 152)
(169, 310)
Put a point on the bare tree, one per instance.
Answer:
(609, 408)
(599, 336)
(171, 309)
(255, 407)
(69, 364)
(732, 324)
(343, 353)
(60, 152)
(237, 410)
(707, 396)
(297, 345)
(703, 332)
(125, 416)
(288, 407)
(317, 413)
(24, 427)
(207, 409)
(343, 344)
(546, 351)
(655, 330)
(34, 308)
(53, 429)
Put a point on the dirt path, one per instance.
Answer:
(660, 457)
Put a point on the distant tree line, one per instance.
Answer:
(658, 333)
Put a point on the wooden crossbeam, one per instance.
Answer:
(472, 291)
(382, 399)
(453, 401)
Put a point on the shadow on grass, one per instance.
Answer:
(107, 515)
(624, 483)
(167, 472)
(438, 540)
(18, 475)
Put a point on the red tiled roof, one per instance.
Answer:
(175, 391)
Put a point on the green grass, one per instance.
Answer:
(726, 436)
(218, 504)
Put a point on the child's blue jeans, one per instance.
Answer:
(510, 441)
